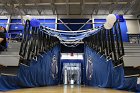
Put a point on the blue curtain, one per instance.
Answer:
(105, 75)
(39, 73)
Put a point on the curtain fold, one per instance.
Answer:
(105, 75)
(38, 73)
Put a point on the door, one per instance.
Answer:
(72, 73)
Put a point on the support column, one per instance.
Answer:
(8, 21)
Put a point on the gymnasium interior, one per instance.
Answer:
(69, 46)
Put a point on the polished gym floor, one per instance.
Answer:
(65, 89)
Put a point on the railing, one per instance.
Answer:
(34, 43)
(108, 43)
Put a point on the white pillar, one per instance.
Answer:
(8, 21)
(65, 77)
(56, 22)
(93, 21)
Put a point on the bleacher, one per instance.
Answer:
(9, 59)
(132, 54)
(132, 59)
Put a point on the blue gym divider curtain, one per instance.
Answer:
(39, 73)
(101, 73)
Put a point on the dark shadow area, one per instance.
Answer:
(9, 70)
(131, 70)
(77, 49)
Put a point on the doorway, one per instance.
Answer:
(71, 73)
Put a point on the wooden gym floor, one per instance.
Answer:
(65, 89)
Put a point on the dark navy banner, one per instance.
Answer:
(74, 27)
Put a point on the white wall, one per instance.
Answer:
(133, 26)
(5, 17)
(69, 56)
(130, 60)
(9, 60)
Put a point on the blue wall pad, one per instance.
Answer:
(99, 20)
(16, 26)
(103, 74)
(48, 21)
(43, 72)
(16, 29)
(3, 21)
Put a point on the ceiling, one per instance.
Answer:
(69, 7)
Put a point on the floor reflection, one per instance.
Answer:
(65, 89)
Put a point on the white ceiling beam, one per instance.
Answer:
(112, 7)
(129, 6)
(1, 11)
(136, 9)
(82, 3)
(69, 3)
(119, 8)
(8, 8)
(98, 7)
(67, 7)
(21, 6)
(39, 10)
(53, 7)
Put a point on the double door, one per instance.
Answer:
(72, 73)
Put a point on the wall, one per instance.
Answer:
(133, 26)
(4, 19)
(72, 56)
(15, 29)
(74, 27)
